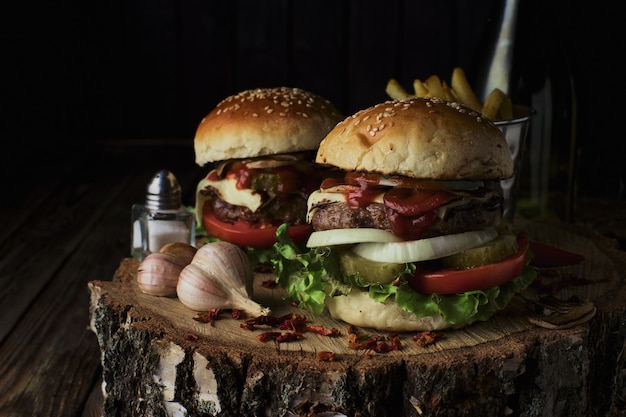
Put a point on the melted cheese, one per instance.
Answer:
(227, 191)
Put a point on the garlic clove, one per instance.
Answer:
(218, 277)
(228, 261)
(158, 274)
(183, 250)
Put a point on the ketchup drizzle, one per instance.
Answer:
(410, 211)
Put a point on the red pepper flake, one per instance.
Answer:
(270, 321)
(279, 337)
(209, 316)
(192, 337)
(247, 326)
(322, 330)
(325, 356)
(267, 336)
(426, 338)
(236, 314)
(288, 337)
(361, 340)
(269, 284)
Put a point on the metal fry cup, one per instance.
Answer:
(515, 131)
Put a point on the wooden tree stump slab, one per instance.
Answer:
(159, 359)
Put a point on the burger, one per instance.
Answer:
(411, 237)
(259, 146)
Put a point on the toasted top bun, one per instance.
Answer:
(357, 308)
(423, 138)
(264, 121)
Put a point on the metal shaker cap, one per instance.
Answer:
(164, 192)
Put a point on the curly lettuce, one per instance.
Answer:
(310, 276)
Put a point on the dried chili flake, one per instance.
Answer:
(384, 347)
(192, 337)
(394, 339)
(209, 316)
(247, 326)
(269, 284)
(426, 338)
(279, 337)
(361, 340)
(296, 323)
(270, 321)
(236, 314)
(325, 356)
(288, 337)
(322, 330)
(266, 336)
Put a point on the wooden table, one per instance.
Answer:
(66, 222)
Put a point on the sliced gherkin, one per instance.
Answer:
(370, 271)
(500, 247)
(264, 181)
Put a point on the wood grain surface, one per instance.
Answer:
(522, 369)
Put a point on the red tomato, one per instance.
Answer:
(546, 256)
(453, 281)
(243, 233)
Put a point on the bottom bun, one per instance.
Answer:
(358, 309)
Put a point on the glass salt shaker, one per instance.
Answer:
(163, 219)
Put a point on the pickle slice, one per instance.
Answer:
(493, 251)
(265, 181)
(370, 271)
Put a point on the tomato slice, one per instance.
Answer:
(546, 256)
(244, 233)
(453, 281)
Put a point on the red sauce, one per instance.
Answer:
(290, 178)
(410, 211)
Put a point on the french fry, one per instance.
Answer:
(493, 102)
(433, 83)
(420, 88)
(506, 110)
(395, 90)
(497, 105)
(463, 90)
(448, 92)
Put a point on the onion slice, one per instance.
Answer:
(346, 236)
(424, 249)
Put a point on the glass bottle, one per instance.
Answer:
(525, 55)
(163, 219)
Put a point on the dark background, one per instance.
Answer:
(80, 73)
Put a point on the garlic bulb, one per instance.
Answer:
(219, 276)
(181, 249)
(158, 274)
(226, 259)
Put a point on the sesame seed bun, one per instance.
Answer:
(264, 121)
(422, 138)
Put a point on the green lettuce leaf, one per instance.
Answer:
(311, 276)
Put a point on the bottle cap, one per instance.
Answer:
(164, 192)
